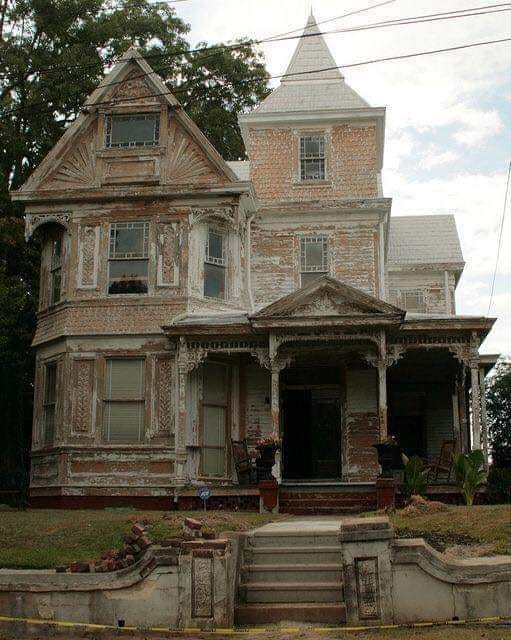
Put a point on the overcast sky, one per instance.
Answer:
(448, 135)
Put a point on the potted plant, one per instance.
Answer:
(388, 455)
(266, 449)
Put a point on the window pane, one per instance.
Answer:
(214, 384)
(128, 276)
(314, 254)
(51, 383)
(129, 240)
(214, 281)
(214, 427)
(49, 424)
(56, 253)
(313, 169)
(124, 379)
(215, 247)
(213, 462)
(124, 421)
(56, 281)
(133, 130)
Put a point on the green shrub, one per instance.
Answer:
(499, 485)
(415, 476)
(470, 473)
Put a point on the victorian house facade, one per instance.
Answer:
(187, 301)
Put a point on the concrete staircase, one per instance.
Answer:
(291, 574)
(316, 500)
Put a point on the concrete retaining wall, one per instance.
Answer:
(168, 587)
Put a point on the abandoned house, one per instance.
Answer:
(187, 302)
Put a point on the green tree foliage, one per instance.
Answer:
(53, 53)
(498, 408)
(416, 475)
(470, 474)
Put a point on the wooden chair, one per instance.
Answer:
(443, 465)
(243, 463)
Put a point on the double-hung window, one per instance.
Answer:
(132, 130)
(312, 158)
(313, 258)
(128, 257)
(56, 271)
(124, 400)
(215, 264)
(49, 402)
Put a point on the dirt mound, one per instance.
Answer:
(417, 505)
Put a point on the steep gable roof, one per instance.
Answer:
(416, 240)
(131, 73)
(305, 87)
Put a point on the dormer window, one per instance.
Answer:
(410, 299)
(313, 258)
(215, 264)
(312, 158)
(132, 130)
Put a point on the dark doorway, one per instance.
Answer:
(311, 425)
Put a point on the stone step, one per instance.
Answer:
(260, 592)
(292, 573)
(301, 510)
(296, 538)
(259, 614)
(293, 555)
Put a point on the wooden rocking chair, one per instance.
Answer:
(443, 465)
(243, 463)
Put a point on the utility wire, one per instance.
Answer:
(281, 37)
(294, 75)
(398, 22)
(499, 244)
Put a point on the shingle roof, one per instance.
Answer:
(415, 240)
(303, 89)
(241, 168)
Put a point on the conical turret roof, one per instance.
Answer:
(312, 81)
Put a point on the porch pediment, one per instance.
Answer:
(327, 299)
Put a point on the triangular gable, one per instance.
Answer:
(71, 161)
(327, 297)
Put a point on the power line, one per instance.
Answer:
(184, 51)
(499, 244)
(396, 22)
(281, 37)
(301, 73)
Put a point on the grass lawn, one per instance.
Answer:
(488, 525)
(44, 538)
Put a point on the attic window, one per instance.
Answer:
(133, 130)
(410, 299)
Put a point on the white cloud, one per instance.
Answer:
(434, 157)
(478, 125)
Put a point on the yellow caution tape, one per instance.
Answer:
(252, 630)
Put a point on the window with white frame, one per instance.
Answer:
(313, 258)
(214, 419)
(410, 299)
(124, 400)
(132, 130)
(128, 257)
(215, 264)
(49, 402)
(312, 157)
(56, 270)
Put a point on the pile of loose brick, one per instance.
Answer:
(135, 543)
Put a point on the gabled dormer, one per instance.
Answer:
(314, 136)
(132, 132)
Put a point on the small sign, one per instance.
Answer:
(204, 494)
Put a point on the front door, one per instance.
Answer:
(311, 426)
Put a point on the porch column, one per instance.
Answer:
(276, 368)
(484, 424)
(180, 414)
(382, 397)
(476, 404)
